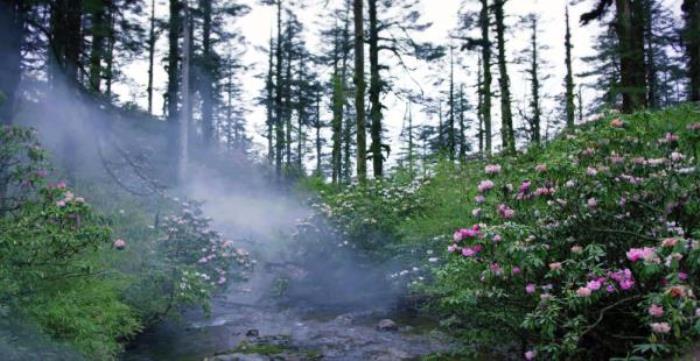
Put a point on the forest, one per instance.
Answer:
(379, 180)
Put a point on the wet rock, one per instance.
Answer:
(344, 319)
(252, 333)
(387, 325)
(240, 357)
(391, 354)
(283, 341)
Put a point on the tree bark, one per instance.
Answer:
(570, 111)
(98, 32)
(11, 26)
(151, 55)
(630, 31)
(375, 88)
(484, 23)
(360, 90)
(507, 132)
(691, 38)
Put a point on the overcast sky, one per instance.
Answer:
(443, 14)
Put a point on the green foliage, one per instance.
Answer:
(49, 245)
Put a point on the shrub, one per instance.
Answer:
(587, 249)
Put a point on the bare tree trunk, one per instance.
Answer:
(507, 131)
(185, 114)
(691, 38)
(11, 26)
(375, 88)
(360, 90)
(569, 76)
(151, 56)
(484, 23)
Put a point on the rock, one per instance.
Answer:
(252, 333)
(344, 319)
(391, 354)
(240, 357)
(387, 325)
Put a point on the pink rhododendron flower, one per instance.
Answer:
(677, 292)
(471, 251)
(694, 126)
(682, 276)
(583, 292)
(677, 157)
(496, 269)
(476, 212)
(492, 169)
(457, 236)
(530, 355)
(636, 254)
(61, 203)
(570, 183)
(588, 152)
(525, 186)
(530, 288)
(452, 248)
(671, 138)
(485, 185)
(656, 311)
(624, 278)
(555, 266)
(576, 249)
(591, 172)
(592, 203)
(541, 168)
(660, 327)
(505, 212)
(544, 191)
(669, 242)
(496, 238)
(479, 199)
(515, 270)
(610, 288)
(617, 159)
(119, 244)
(617, 123)
(594, 285)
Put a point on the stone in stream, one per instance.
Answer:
(387, 325)
(239, 357)
(252, 333)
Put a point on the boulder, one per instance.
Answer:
(387, 325)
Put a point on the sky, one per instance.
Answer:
(443, 14)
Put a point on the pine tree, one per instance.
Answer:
(691, 38)
(629, 29)
(569, 81)
(507, 131)
(359, 80)
(12, 17)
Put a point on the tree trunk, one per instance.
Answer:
(569, 76)
(151, 56)
(186, 100)
(630, 32)
(337, 100)
(206, 82)
(650, 53)
(346, 121)
(375, 88)
(534, 73)
(462, 126)
(98, 32)
(484, 23)
(279, 130)
(507, 132)
(360, 90)
(174, 30)
(480, 108)
(451, 141)
(11, 26)
(691, 38)
(319, 171)
(269, 88)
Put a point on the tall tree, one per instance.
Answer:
(451, 131)
(375, 85)
(569, 81)
(535, 118)
(691, 38)
(629, 28)
(175, 29)
(11, 26)
(99, 31)
(359, 80)
(151, 55)
(507, 131)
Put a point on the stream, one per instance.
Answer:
(313, 322)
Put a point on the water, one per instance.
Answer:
(294, 327)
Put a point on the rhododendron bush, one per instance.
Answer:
(589, 249)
